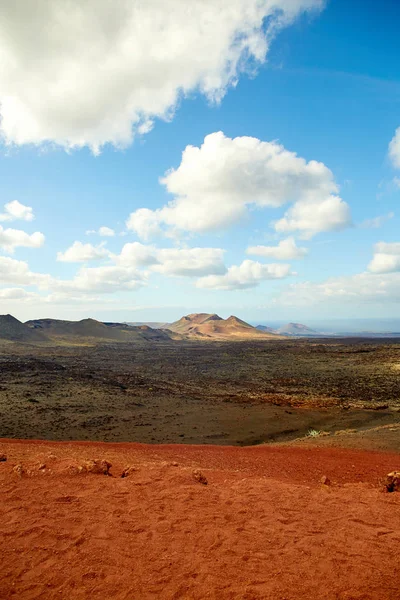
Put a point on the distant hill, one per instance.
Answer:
(90, 328)
(212, 326)
(296, 329)
(266, 329)
(152, 324)
(13, 330)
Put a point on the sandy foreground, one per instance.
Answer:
(264, 526)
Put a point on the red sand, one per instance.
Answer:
(263, 528)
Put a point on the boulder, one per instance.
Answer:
(393, 481)
(96, 467)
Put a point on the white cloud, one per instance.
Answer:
(17, 272)
(14, 238)
(145, 222)
(285, 250)
(185, 262)
(136, 254)
(80, 252)
(376, 222)
(14, 211)
(103, 71)
(315, 214)
(386, 258)
(105, 279)
(215, 184)
(106, 232)
(394, 149)
(102, 231)
(15, 294)
(247, 275)
(188, 262)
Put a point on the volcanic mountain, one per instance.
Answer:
(13, 330)
(296, 329)
(90, 328)
(212, 326)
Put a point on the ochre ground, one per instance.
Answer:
(263, 528)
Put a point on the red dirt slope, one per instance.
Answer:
(263, 528)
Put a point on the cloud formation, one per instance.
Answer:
(386, 258)
(102, 232)
(215, 185)
(14, 238)
(89, 73)
(80, 252)
(17, 272)
(14, 211)
(183, 262)
(377, 222)
(246, 275)
(285, 250)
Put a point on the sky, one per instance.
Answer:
(161, 158)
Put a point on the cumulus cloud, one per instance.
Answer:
(80, 252)
(376, 222)
(386, 258)
(314, 214)
(285, 250)
(184, 262)
(14, 211)
(394, 149)
(215, 184)
(102, 231)
(247, 275)
(135, 254)
(105, 279)
(17, 272)
(14, 238)
(103, 71)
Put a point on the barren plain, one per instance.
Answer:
(237, 393)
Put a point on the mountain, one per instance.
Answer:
(296, 329)
(212, 326)
(90, 328)
(14, 330)
(152, 324)
(266, 329)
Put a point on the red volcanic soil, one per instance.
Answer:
(264, 526)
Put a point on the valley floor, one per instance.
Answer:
(238, 393)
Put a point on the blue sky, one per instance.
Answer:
(285, 206)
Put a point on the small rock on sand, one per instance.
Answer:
(19, 470)
(128, 471)
(198, 476)
(3, 457)
(325, 480)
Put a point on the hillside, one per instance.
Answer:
(13, 330)
(212, 326)
(266, 329)
(90, 328)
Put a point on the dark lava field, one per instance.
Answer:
(236, 393)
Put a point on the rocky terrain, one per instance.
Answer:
(238, 393)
